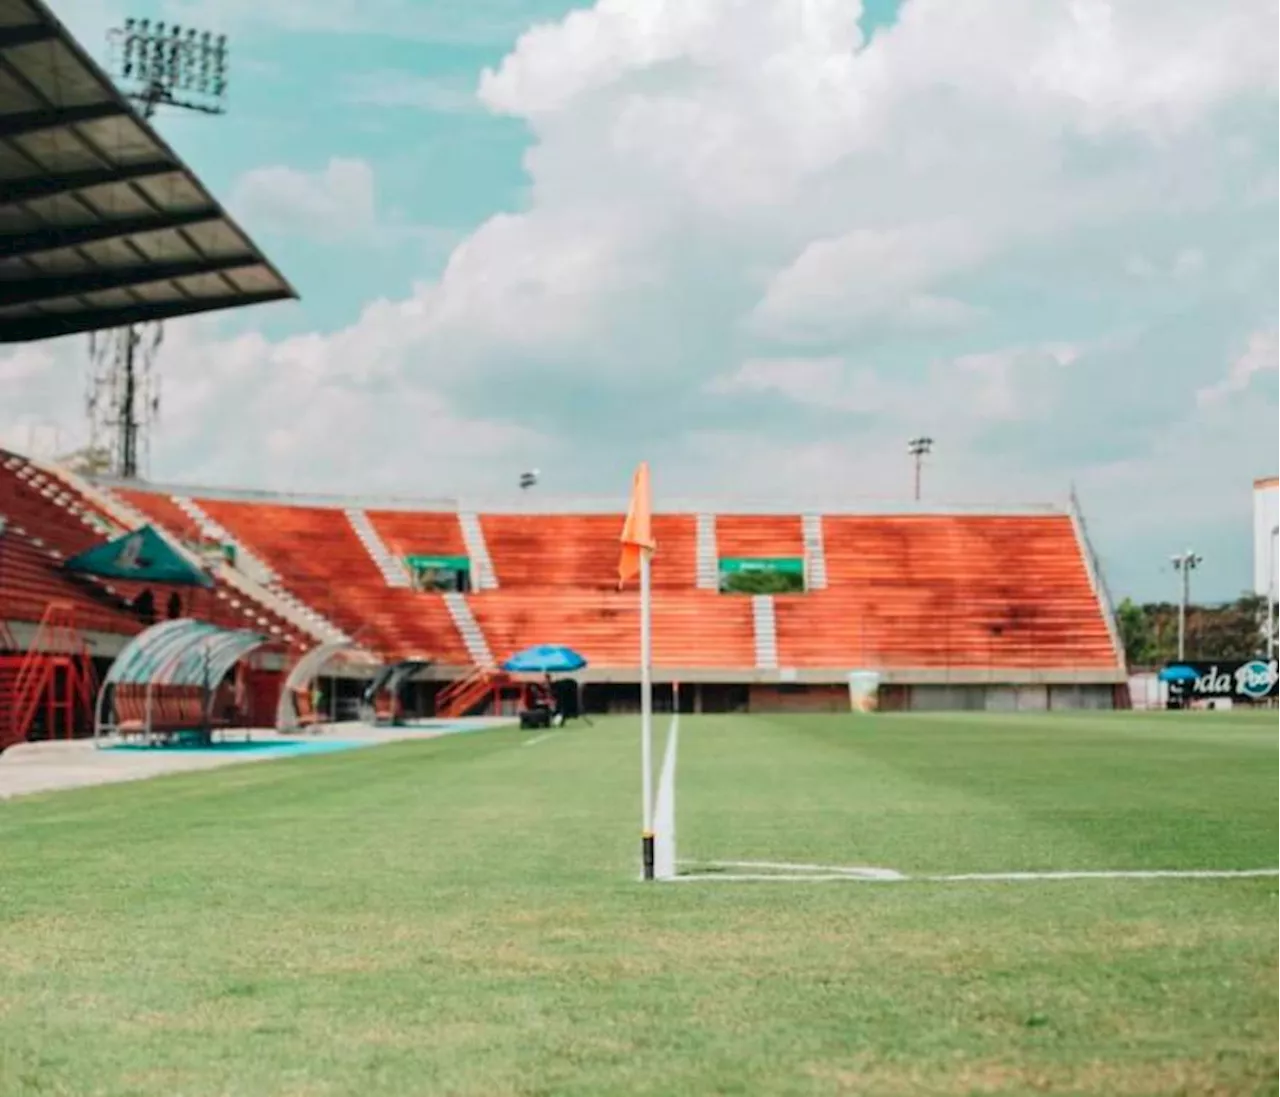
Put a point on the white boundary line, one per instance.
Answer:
(664, 808)
(787, 872)
(539, 738)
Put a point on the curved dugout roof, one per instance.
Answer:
(306, 669)
(182, 652)
(101, 223)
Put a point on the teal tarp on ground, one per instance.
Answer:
(143, 556)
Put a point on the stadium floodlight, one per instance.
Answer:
(157, 64)
(528, 479)
(154, 64)
(919, 448)
(1185, 563)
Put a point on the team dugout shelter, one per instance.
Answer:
(101, 223)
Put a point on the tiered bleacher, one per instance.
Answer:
(920, 598)
(969, 601)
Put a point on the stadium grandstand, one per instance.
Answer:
(951, 610)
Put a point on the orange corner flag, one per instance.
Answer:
(637, 531)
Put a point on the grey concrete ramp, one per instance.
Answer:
(28, 768)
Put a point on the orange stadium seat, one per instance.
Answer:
(928, 592)
(31, 578)
(581, 550)
(419, 533)
(690, 628)
(767, 535)
(63, 522)
(321, 561)
(162, 510)
(936, 591)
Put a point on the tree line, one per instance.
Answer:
(1237, 630)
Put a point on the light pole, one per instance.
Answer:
(155, 65)
(1186, 563)
(919, 448)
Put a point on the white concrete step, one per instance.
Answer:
(766, 631)
(483, 577)
(815, 553)
(254, 578)
(469, 629)
(707, 572)
(394, 572)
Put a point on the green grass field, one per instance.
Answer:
(462, 916)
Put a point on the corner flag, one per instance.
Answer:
(637, 548)
(637, 531)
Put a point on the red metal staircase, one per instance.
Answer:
(467, 696)
(54, 677)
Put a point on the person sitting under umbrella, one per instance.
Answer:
(544, 710)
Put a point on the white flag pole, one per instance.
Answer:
(646, 716)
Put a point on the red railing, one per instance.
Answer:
(460, 696)
(57, 671)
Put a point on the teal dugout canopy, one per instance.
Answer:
(142, 556)
(182, 652)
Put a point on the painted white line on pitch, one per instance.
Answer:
(664, 808)
(829, 873)
(862, 872)
(538, 738)
(795, 878)
(1116, 874)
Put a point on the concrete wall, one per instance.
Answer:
(731, 697)
(1003, 698)
(1266, 513)
(799, 699)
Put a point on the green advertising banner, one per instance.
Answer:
(438, 563)
(785, 565)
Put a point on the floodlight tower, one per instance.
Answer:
(919, 448)
(154, 65)
(1186, 563)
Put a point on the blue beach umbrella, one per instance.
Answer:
(545, 659)
(1178, 674)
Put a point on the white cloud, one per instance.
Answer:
(838, 282)
(965, 392)
(303, 413)
(1258, 359)
(336, 202)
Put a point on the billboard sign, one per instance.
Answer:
(1244, 681)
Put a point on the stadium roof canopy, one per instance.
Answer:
(101, 224)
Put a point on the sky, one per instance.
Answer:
(760, 243)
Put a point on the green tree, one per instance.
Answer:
(1136, 633)
(761, 582)
(1232, 631)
